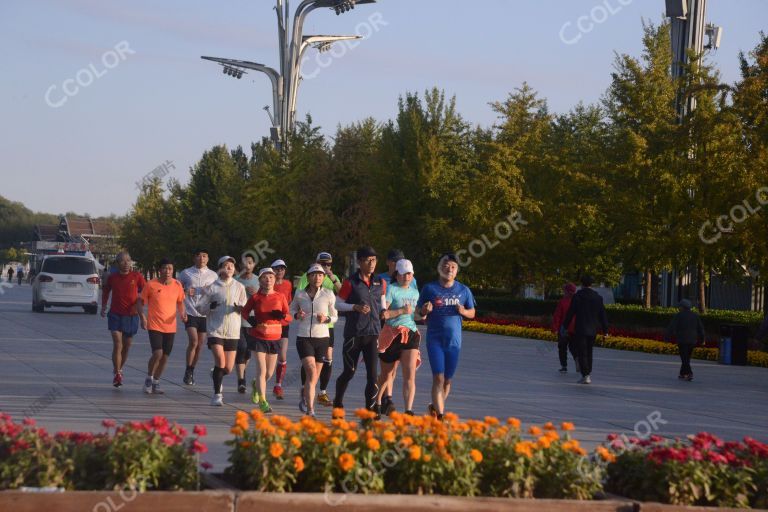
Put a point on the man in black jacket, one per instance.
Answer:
(587, 306)
(686, 328)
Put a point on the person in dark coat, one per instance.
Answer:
(686, 328)
(564, 343)
(588, 309)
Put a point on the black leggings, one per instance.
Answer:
(564, 345)
(353, 347)
(584, 345)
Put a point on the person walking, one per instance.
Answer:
(686, 329)
(269, 307)
(251, 282)
(20, 275)
(333, 283)
(122, 317)
(445, 303)
(565, 343)
(314, 308)
(588, 310)
(194, 280)
(164, 298)
(362, 296)
(285, 287)
(10, 273)
(222, 303)
(399, 340)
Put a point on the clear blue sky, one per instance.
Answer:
(164, 103)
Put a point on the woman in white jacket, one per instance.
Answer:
(314, 308)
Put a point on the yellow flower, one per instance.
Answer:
(567, 425)
(415, 452)
(476, 455)
(534, 431)
(373, 444)
(351, 436)
(346, 461)
(298, 464)
(606, 454)
(276, 450)
(388, 436)
(295, 441)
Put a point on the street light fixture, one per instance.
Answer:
(292, 45)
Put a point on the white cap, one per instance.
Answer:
(404, 266)
(225, 259)
(315, 267)
(278, 263)
(266, 270)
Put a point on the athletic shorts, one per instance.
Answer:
(267, 347)
(285, 332)
(243, 354)
(126, 324)
(443, 358)
(229, 345)
(312, 347)
(161, 341)
(198, 322)
(395, 349)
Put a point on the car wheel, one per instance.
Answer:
(91, 309)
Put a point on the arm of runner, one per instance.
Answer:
(104, 296)
(341, 298)
(180, 306)
(333, 315)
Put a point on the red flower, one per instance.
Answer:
(109, 423)
(198, 447)
(200, 430)
(169, 440)
(28, 421)
(206, 465)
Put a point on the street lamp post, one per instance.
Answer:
(292, 45)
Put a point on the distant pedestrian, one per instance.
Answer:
(588, 309)
(20, 275)
(686, 329)
(565, 342)
(10, 274)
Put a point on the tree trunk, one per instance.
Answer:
(702, 288)
(648, 285)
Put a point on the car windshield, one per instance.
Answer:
(77, 266)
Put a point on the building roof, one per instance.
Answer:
(47, 232)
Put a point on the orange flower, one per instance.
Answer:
(544, 442)
(552, 435)
(346, 461)
(282, 433)
(406, 441)
(241, 420)
(338, 413)
(534, 431)
(605, 454)
(256, 414)
(236, 430)
(351, 436)
(373, 444)
(448, 458)
(549, 426)
(276, 450)
(524, 448)
(246, 444)
(298, 464)
(450, 417)
(322, 438)
(514, 423)
(476, 455)
(335, 440)
(490, 420)
(388, 436)
(427, 457)
(365, 414)
(456, 437)
(415, 452)
(296, 442)
(567, 425)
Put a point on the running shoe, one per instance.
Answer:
(689, 377)
(278, 392)
(563, 369)
(377, 409)
(409, 412)
(217, 400)
(241, 387)
(148, 385)
(585, 380)
(311, 414)
(388, 408)
(118, 380)
(264, 406)
(303, 405)
(324, 399)
(189, 377)
(431, 410)
(156, 388)
(255, 395)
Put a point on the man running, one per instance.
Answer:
(248, 279)
(194, 280)
(333, 283)
(445, 302)
(223, 301)
(362, 295)
(588, 309)
(285, 287)
(122, 318)
(164, 298)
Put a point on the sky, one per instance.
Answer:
(97, 94)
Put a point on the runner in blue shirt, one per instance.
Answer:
(445, 303)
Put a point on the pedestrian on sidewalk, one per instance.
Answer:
(251, 282)
(10, 273)
(686, 329)
(565, 342)
(284, 286)
(20, 275)
(588, 310)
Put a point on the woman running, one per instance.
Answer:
(285, 287)
(314, 308)
(269, 308)
(399, 340)
(222, 302)
(445, 303)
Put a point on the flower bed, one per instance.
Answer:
(754, 358)
(701, 470)
(411, 455)
(154, 454)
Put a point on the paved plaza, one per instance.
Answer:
(56, 368)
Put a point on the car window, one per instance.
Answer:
(77, 266)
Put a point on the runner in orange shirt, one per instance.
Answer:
(164, 298)
(285, 287)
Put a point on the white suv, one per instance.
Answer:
(66, 280)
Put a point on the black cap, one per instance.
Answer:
(163, 262)
(449, 256)
(198, 251)
(395, 255)
(365, 251)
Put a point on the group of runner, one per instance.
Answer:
(247, 316)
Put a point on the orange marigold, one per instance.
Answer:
(450, 417)
(476, 455)
(338, 413)
(524, 448)
(351, 436)
(256, 414)
(514, 423)
(549, 426)
(534, 431)
(335, 440)
(388, 436)
(346, 461)
(606, 454)
(365, 414)
(246, 444)
(491, 420)
(426, 458)
(373, 444)
(295, 441)
(544, 442)
(406, 441)
(567, 425)
(415, 452)
(276, 450)
(298, 464)
(236, 430)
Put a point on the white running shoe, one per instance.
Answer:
(217, 400)
(586, 380)
(148, 385)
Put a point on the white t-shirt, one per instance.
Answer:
(324, 302)
(223, 321)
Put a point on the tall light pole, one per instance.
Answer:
(292, 45)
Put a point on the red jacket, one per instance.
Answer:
(559, 316)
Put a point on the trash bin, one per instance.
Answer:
(733, 344)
